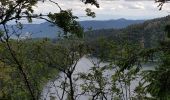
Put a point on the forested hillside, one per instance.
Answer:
(149, 32)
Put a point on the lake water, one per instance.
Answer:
(52, 89)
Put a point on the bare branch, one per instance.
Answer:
(56, 4)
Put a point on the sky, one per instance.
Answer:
(109, 9)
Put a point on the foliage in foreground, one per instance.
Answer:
(32, 55)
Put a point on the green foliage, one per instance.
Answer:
(14, 9)
(1, 33)
(167, 29)
(159, 79)
(67, 22)
(114, 79)
(31, 54)
(92, 2)
(103, 49)
(95, 83)
(90, 13)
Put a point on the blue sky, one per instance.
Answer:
(109, 9)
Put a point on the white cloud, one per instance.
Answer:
(109, 9)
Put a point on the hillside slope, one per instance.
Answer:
(150, 32)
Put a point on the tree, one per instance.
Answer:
(64, 58)
(31, 54)
(114, 79)
(167, 29)
(17, 9)
(161, 3)
(159, 79)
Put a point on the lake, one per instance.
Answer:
(52, 89)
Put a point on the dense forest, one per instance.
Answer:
(117, 57)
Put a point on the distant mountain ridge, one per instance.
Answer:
(106, 24)
(47, 30)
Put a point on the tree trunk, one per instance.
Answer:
(71, 88)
